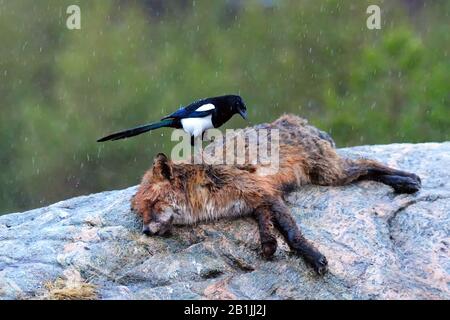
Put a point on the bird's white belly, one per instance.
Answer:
(195, 126)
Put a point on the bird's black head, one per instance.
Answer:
(237, 105)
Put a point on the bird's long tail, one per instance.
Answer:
(138, 130)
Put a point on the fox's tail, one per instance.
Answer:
(138, 130)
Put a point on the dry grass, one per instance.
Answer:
(62, 289)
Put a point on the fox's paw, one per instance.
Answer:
(320, 265)
(410, 184)
(318, 261)
(269, 248)
(415, 177)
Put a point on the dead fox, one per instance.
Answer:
(181, 193)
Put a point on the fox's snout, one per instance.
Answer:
(147, 230)
(157, 229)
(161, 225)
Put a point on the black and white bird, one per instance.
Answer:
(194, 119)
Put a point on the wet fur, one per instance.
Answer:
(182, 193)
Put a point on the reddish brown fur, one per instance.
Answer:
(182, 193)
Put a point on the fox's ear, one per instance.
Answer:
(162, 167)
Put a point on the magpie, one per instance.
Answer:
(194, 119)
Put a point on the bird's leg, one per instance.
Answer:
(197, 149)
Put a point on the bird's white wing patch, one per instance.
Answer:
(206, 107)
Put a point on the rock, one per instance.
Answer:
(379, 245)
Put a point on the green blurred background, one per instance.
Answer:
(135, 61)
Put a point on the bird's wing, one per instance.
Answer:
(192, 111)
(205, 107)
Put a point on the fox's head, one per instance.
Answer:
(154, 202)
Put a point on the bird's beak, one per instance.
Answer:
(243, 114)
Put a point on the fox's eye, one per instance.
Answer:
(156, 206)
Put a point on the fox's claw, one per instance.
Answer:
(268, 249)
(321, 265)
(405, 184)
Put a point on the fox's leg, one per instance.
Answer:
(268, 241)
(296, 241)
(401, 181)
